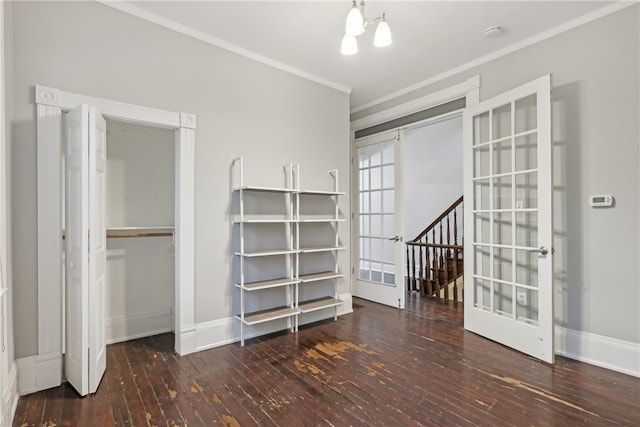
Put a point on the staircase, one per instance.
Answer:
(435, 257)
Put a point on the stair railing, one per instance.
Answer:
(435, 257)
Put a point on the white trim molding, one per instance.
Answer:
(51, 103)
(470, 89)
(599, 350)
(138, 325)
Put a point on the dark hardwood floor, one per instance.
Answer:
(377, 366)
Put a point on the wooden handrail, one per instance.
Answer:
(440, 218)
(434, 245)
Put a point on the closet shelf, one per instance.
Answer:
(268, 315)
(140, 231)
(265, 284)
(267, 253)
(318, 304)
(266, 221)
(307, 278)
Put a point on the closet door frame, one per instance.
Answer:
(51, 103)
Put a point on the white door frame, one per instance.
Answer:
(51, 103)
(469, 89)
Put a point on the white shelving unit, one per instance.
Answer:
(288, 257)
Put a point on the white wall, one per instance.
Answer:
(596, 79)
(242, 107)
(433, 172)
(140, 192)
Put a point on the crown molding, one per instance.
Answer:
(585, 19)
(198, 35)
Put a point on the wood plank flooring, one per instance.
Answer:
(376, 367)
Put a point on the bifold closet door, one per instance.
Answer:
(85, 150)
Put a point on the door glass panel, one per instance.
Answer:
(502, 264)
(388, 177)
(389, 251)
(502, 122)
(363, 157)
(387, 152)
(482, 256)
(375, 153)
(364, 203)
(365, 268)
(481, 161)
(364, 225)
(376, 225)
(376, 249)
(388, 225)
(527, 305)
(526, 152)
(502, 157)
(502, 228)
(527, 229)
(388, 202)
(364, 249)
(527, 268)
(527, 190)
(482, 228)
(526, 114)
(481, 194)
(389, 275)
(503, 298)
(376, 201)
(481, 128)
(376, 178)
(364, 179)
(502, 192)
(481, 294)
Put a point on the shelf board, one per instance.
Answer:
(265, 284)
(323, 220)
(306, 278)
(268, 315)
(321, 193)
(321, 249)
(318, 304)
(267, 253)
(266, 189)
(265, 221)
(140, 228)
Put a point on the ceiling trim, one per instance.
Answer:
(198, 35)
(585, 19)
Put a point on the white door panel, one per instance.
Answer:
(85, 354)
(508, 256)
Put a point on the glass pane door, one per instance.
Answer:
(379, 251)
(508, 274)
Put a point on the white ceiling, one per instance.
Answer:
(429, 37)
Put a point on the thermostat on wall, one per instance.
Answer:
(600, 201)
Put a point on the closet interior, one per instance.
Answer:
(140, 189)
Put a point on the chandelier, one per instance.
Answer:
(357, 23)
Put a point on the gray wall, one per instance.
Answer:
(242, 107)
(595, 70)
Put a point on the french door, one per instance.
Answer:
(377, 196)
(508, 290)
(85, 237)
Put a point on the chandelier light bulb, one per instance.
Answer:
(355, 21)
(383, 34)
(349, 45)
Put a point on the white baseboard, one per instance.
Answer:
(227, 330)
(133, 326)
(610, 353)
(39, 372)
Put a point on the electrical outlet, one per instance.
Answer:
(521, 297)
